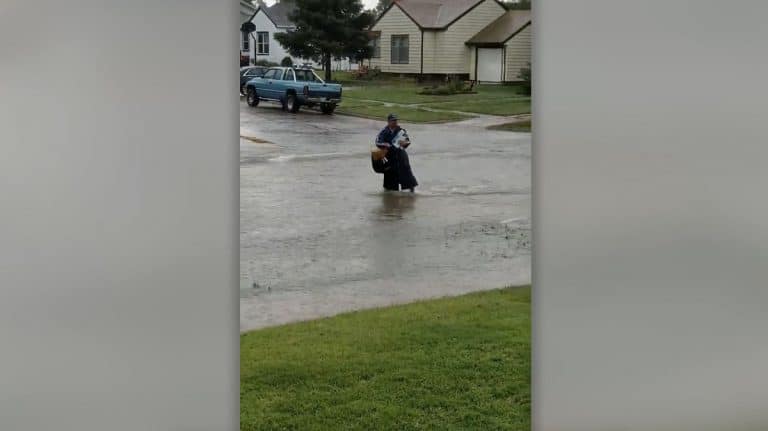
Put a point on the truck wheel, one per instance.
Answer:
(328, 108)
(251, 98)
(291, 104)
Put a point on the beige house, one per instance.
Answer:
(432, 37)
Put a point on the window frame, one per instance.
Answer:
(262, 43)
(245, 42)
(275, 71)
(392, 49)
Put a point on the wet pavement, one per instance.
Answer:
(319, 236)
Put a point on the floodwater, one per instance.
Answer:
(319, 236)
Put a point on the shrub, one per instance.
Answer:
(525, 76)
(265, 63)
(453, 85)
(368, 74)
(445, 91)
(287, 62)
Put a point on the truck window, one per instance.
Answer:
(305, 76)
(270, 74)
(288, 75)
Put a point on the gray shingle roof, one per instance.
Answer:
(435, 14)
(279, 12)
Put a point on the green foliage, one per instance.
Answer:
(525, 76)
(519, 5)
(369, 74)
(453, 85)
(327, 29)
(265, 63)
(382, 6)
(514, 126)
(287, 62)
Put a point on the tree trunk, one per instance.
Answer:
(327, 66)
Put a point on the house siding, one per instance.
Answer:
(472, 61)
(445, 51)
(276, 51)
(395, 22)
(518, 54)
(246, 11)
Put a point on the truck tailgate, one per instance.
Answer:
(330, 91)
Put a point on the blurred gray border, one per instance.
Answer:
(119, 222)
(650, 216)
(119, 232)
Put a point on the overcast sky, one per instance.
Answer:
(370, 4)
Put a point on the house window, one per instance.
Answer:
(375, 47)
(399, 49)
(262, 43)
(246, 42)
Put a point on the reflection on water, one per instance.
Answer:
(395, 205)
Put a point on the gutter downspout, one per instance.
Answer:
(422, 55)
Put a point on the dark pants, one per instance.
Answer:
(399, 173)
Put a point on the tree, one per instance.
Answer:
(382, 6)
(519, 5)
(327, 29)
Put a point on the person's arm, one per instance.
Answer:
(380, 138)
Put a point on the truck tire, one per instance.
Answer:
(251, 97)
(292, 103)
(328, 108)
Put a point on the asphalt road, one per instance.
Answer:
(318, 235)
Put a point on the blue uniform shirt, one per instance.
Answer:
(386, 136)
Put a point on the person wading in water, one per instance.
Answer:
(391, 159)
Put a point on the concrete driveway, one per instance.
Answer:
(318, 236)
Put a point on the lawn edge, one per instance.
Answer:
(385, 307)
(371, 117)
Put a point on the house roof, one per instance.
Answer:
(503, 28)
(279, 12)
(435, 14)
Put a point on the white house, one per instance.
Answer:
(247, 9)
(269, 21)
(445, 37)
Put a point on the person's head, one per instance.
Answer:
(392, 121)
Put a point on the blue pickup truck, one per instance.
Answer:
(293, 88)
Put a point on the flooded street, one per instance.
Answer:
(318, 235)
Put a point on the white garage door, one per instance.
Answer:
(489, 64)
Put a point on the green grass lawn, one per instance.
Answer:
(489, 99)
(447, 364)
(515, 126)
(491, 106)
(379, 111)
